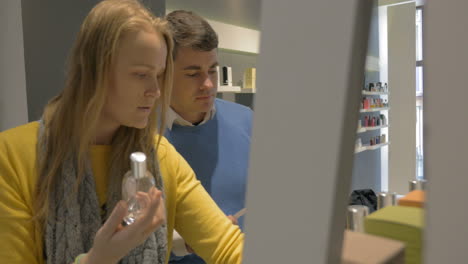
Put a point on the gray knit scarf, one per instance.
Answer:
(76, 217)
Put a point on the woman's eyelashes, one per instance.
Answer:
(141, 75)
(195, 74)
(148, 75)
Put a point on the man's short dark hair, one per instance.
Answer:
(190, 30)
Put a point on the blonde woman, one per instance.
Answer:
(60, 178)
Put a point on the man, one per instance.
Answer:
(213, 135)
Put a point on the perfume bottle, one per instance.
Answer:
(384, 121)
(378, 87)
(138, 179)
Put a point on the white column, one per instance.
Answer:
(402, 87)
(310, 75)
(445, 130)
(13, 101)
(383, 56)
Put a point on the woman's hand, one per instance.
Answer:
(113, 241)
(233, 219)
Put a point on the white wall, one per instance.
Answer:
(445, 130)
(13, 101)
(50, 28)
(232, 37)
(402, 98)
(236, 38)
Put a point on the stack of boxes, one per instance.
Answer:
(403, 223)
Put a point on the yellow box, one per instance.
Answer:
(250, 78)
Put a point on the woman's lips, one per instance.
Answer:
(145, 109)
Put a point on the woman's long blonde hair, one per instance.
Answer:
(71, 117)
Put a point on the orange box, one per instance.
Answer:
(416, 198)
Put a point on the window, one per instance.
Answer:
(419, 95)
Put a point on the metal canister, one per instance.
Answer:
(385, 199)
(417, 185)
(355, 217)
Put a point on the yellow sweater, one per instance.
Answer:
(190, 210)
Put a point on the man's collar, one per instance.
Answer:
(174, 118)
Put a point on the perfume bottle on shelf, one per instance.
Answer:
(378, 87)
(138, 179)
(384, 119)
(358, 143)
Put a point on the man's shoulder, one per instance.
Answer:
(223, 106)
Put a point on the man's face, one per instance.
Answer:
(136, 79)
(195, 83)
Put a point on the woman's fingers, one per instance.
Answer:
(114, 220)
(159, 217)
(111, 239)
(148, 219)
(151, 217)
(144, 201)
(155, 200)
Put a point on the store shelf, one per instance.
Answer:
(374, 109)
(238, 91)
(247, 90)
(229, 89)
(367, 147)
(365, 129)
(373, 93)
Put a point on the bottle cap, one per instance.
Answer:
(138, 164)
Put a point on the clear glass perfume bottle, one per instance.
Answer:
(138, 179)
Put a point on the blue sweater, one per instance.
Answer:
(218, 151)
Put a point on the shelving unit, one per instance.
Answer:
(368, 147)
(373, 130)
(374, 109)
(229, 89)
(242, 91)
(247, 91)
(373, 93)
(239, 61)
(244, 96)
(365, 129)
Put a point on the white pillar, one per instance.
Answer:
(310, 75)
(445, 130)
(402, 87)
